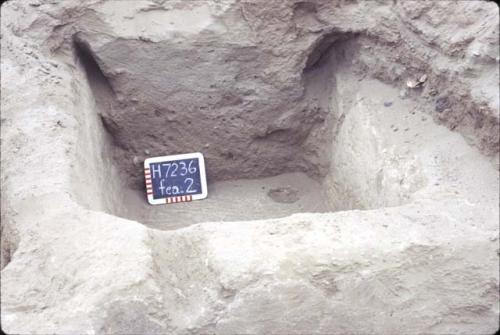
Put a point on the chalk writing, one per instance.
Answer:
(175, 178)
(178, 177)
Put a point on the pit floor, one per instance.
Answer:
(236, 200)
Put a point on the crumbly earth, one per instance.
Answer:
(352, 154)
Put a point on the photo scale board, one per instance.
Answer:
(175, 178)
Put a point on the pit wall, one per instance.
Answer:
(371, 166)
(38, 132)
(96, 182)
(368, 171)
(55, 129)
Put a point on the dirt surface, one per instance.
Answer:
(352, 158)
(244, 199)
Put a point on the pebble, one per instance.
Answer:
(442, 104)
(387, 103)
(422, 78)
(412, 83)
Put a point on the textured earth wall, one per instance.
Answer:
(391, 107)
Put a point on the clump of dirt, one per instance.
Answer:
(285, 194)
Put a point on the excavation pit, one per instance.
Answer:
(335, 141)
(351, 149)
(348, 143)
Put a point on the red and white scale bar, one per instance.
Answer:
(149, 185)
(149, 190)
(182, 198)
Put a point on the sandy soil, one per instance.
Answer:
(351, 148)
(235, 200)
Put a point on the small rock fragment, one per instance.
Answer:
(442, 103)
(412, 83)
(387, 103)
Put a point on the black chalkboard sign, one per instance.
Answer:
(175, 178)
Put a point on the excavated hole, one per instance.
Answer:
(321, 156)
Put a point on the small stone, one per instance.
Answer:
(146, 152)
(411, 83)
(387, 103)
(442, 104)
(423, 78)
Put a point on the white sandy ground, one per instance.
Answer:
(413, 246)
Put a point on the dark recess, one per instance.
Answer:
(100, 85)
